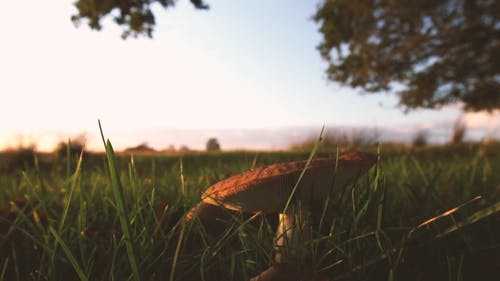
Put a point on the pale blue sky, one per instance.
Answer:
(242, 65)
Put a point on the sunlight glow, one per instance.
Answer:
(483, 120)
(204, 73)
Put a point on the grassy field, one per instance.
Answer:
(120, 218)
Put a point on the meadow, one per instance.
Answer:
(428, 213)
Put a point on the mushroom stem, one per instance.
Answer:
(293, 232)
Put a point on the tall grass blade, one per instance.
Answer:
(177, 251)
(121, 207)
(308, 162)
(69, 255)
(183, 184)
(4, 268)
(16, 264)
(70, 193)
(68, 158)
(292, 193)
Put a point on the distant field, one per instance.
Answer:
(62, 219)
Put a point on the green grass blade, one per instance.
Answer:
(69, 255)
(308, 162)
(4, 268)
(70, 193)
(121, 208)
(68, 158)
(183, 184)
(102, 133)
(177, 251)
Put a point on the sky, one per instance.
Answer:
(245, 72)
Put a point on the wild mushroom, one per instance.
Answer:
(268, 190)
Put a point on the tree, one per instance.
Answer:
(430, 53)
(440, 52)
(420, 139)
(134, 15)
(213, 145)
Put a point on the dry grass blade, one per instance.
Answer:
(445, 214)
(486, 212)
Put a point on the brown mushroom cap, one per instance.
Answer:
(267, 189)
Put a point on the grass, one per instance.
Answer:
(415, 216)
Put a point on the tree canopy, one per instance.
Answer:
(429, 52)
(212, 145)
(434, 52)
(135, 16)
